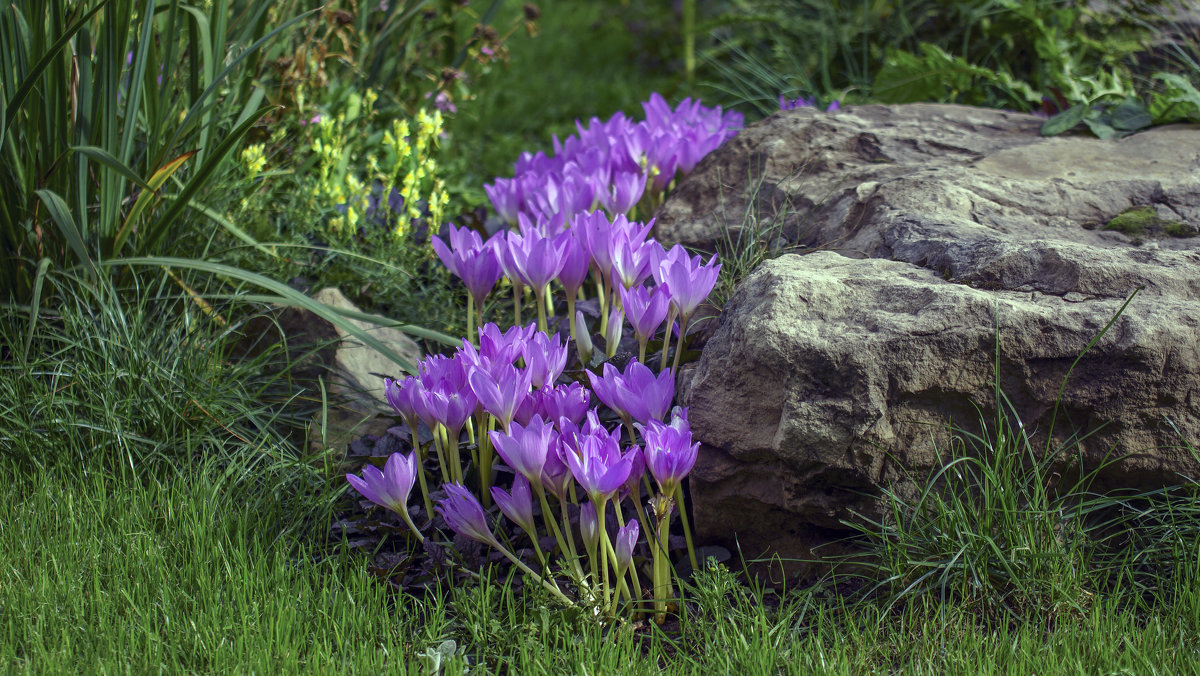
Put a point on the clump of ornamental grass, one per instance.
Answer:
(1003, 528)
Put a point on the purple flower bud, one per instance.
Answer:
(464, 515)
(589, 526)
(556, 476)
(627, 537)
(391, 487)
(518, 507)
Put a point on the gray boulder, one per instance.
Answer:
(834, 372)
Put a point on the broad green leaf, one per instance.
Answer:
(1130, 115)
(1101, 129)
(1065, 121)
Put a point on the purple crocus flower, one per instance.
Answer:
(451, 405)
(637, 392)
(645, 307)
(518, 506)
(475, 263)
(598, 466)
(500, 394)
(605, 387)
(669, 452)
(576, 262)
(391, 487)
(632, 263)
(534, 257)
(505, 194)
(624, 191)
(524, 448)
(627, 537)
(401, 394)
(545, 359)
(565, 401)
(464, 515)
(688, 281)
(644, 395)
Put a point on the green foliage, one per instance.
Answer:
(109, 143)
(996, 53)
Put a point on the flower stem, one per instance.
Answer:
(421, 454)
(687, 530)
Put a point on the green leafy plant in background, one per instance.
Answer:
(1018, 54)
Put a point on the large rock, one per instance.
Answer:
(832, 373)
(352, 372)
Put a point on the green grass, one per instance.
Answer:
(105, 573)
(142, 536)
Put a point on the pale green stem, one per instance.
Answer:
(485, 463)
(642, 340)
(687, 530)
(662, 563)
(571, 316)
(683, 324)
(518, 292)
(421, 474)
(539, 296)
(552, 588)
(441, 456)
(603, 554)
(662, 359)
(471, 319)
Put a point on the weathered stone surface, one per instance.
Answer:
(831, 372)
(353, 372)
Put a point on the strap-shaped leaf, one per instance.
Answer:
(200, 177)
(35, 305)
(285, 296)
(35, 73)
(109, 160)
(151, 192)
(61, 215)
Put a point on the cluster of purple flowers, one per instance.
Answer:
(609, 164)
(504, 390)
